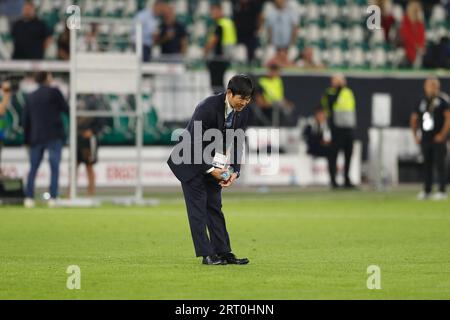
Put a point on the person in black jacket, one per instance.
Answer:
(44, 130)
(31, 36)
(430, 124)
(224, 116)
(88, 130)
(317, 135)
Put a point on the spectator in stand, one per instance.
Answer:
(412, 33)
(247, 16)
(172, 36)
(31, 36)
(149, 19)
(90, 43)
(11, 8)
(438, 55)
(387, 18)
(281, 59)
(306, 59)
(282, 27)
(64, 45)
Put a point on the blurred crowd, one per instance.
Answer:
(249, 25)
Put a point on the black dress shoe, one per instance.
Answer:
(230, 258)
(213, 260)
(350, 186)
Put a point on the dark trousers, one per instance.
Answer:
(251, 43)
(342, 139)
(146, 53)
(36, 154)
(217, 69)
(203, 196)
(434, 156)
(325, 151)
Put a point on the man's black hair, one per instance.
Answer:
(242, 85)
(41, 77)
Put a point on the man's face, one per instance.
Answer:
(170, 17)
(337, 81)
(237, 102)
(321, 117)
(216, 12)
(159, 9)
(280, 3)
(431, 88)
(28, 11)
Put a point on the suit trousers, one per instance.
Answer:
(203, 197)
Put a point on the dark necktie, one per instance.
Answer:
(229, 120)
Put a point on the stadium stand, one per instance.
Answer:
(336, 30)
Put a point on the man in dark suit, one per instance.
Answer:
(201, 168)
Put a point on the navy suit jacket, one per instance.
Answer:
(211, 112)
(42, 116)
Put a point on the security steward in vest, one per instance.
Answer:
(430, 123)
(200, 172)
(339, 104)
(219, 47)
(270, 98)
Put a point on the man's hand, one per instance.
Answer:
(439, 138)
(217, 172)
(230, 181)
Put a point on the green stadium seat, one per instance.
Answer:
(356, 35)
(313, 14)
(379, 58)
(358, 58)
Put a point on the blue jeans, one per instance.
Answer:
(36, 154)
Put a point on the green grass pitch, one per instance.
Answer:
(302, 245)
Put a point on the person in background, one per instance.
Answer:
(148, 17)
(306, 59)
(5, 96)
(387, 18)
(339, 104)
(438, 55)
(219, 47)
(430, 123)
(412, 34)
(88, 129)
(11, 9)
(317, 135)
(64, 45)
(172, 36)
(248, 18)
(270, 98)
(31, 36)
(281, 58)
(282, 27)
(44, 130)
